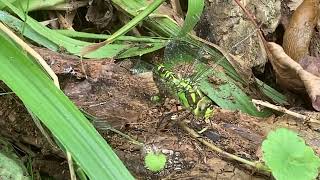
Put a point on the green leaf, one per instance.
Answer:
(10, 168)
(155, 161)
(38, 93)
(271, 93)
(142, 15)
(76, 34)
(194, 12)
(165, 27)
(288, 157)
(30, 5)
(18, 25)
(75, 47)
(229, 96)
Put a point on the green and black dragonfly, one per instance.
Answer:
(188, 59)
(187, 92)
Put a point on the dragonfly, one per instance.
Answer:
(182, 71)
(188, 94)
(190, 70)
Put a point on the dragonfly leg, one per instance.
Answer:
(167, 117)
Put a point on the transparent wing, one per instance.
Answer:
(183, 59)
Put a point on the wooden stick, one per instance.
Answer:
(195, 135)
(307, 119)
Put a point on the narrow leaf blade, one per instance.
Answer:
(193, 16)
(58, 113)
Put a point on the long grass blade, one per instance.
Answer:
(18, 26)
(73, 46)
(77, 34)
(32, 5)
(194, 12)
(23, 75)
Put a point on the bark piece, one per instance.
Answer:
(225, 24)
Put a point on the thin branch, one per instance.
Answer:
(195, 135)
(253, 20)
(286, 111)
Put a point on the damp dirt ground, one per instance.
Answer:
(122, 100)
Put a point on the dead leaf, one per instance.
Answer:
(300, 30)
(293, 4)
(311, 64)
(292, 76)
(100, 13)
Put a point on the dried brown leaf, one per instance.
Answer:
(297, 37)
(292, 76)
(100, 13)
(293, 4)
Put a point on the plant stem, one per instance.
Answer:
(77, 34)
(195, 135)
(252, 19)
(305, 118)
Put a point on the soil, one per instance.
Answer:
(122, 100)
(109, 91)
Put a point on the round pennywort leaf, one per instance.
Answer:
(288, 157)
(155, 161)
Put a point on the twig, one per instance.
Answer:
(260, 34)
(108, 127)
(103, 125)
(71, 167)
(6, 93)
(195, 135)
(250, 16)
(253, 20)
(286, 111)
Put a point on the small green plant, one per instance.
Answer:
(288, 157)
(155, 161)
(156, 99)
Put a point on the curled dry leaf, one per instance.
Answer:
(296, 69)
(311, 64)
(297, 37)
(312, 85)
(293, 4)
(292, 76)
(100, 13)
